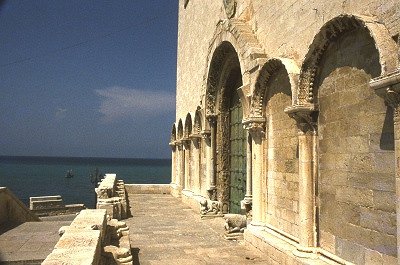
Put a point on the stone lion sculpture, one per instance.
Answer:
(235, 223)
(209, 207)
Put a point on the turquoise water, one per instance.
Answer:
(41, 176)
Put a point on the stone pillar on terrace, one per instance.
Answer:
(173, 162)
(307, 139)
(388, 87)
(256, 129)
(195, 164)
(211, 157)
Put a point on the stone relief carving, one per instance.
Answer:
(230, 8)
(329, 32)
(208, 207)
(235, 223)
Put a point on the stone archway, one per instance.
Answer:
(231, 63)
(338, 112)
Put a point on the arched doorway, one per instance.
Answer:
(231, 136)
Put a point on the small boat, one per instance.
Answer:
(69, 174)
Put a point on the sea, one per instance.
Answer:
(31, 176)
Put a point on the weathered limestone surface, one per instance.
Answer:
(112, 197)
(319, 89)
(31, 242)
(93, 239)
(12, 210)
(169, 232)
(52, 205)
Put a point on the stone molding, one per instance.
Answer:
(260, 89)
(385, 46)
(242, 41)
(304, 116)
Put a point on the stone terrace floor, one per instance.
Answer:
(31, 242)
(165, 231)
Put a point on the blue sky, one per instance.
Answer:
(87, 78)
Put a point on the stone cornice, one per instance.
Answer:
(303, 114)
(388, 87)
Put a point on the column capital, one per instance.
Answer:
(205, 134)
(172, 144)
(304, 115)
(255, 126)
(211, 118)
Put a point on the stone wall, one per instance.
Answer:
(356, 160)
(92, 239)
(321, 98)
(283, 28)
(282, 204)
(12, 210)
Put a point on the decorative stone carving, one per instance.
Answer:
(242, 38)
(304, 115)
(255, 126)
(329, 32)
(235, 223)
(209, 207)
(230, 8)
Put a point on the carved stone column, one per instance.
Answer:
(186, 150)
(388, 87)
(212, 156)
(181, 166)
(249, 188)
(195, 164)
(173, 162)
(207, 147)
(256, 128)
(307, 177)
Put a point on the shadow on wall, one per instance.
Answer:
(386, 141)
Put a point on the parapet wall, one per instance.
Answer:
(111, 196)
(92, 239)
(12, 210)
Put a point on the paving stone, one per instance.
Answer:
(165, 231)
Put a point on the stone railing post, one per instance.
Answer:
(388, 87)
(256, 129)
(307, 139)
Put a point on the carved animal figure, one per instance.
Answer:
(209, 206)
(235, 223)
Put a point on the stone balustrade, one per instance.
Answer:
(111, 196)
(92, 238)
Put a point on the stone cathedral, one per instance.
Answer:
(287, 112)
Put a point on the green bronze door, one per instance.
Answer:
(237, 185)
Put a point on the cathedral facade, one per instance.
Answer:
(288, 112)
